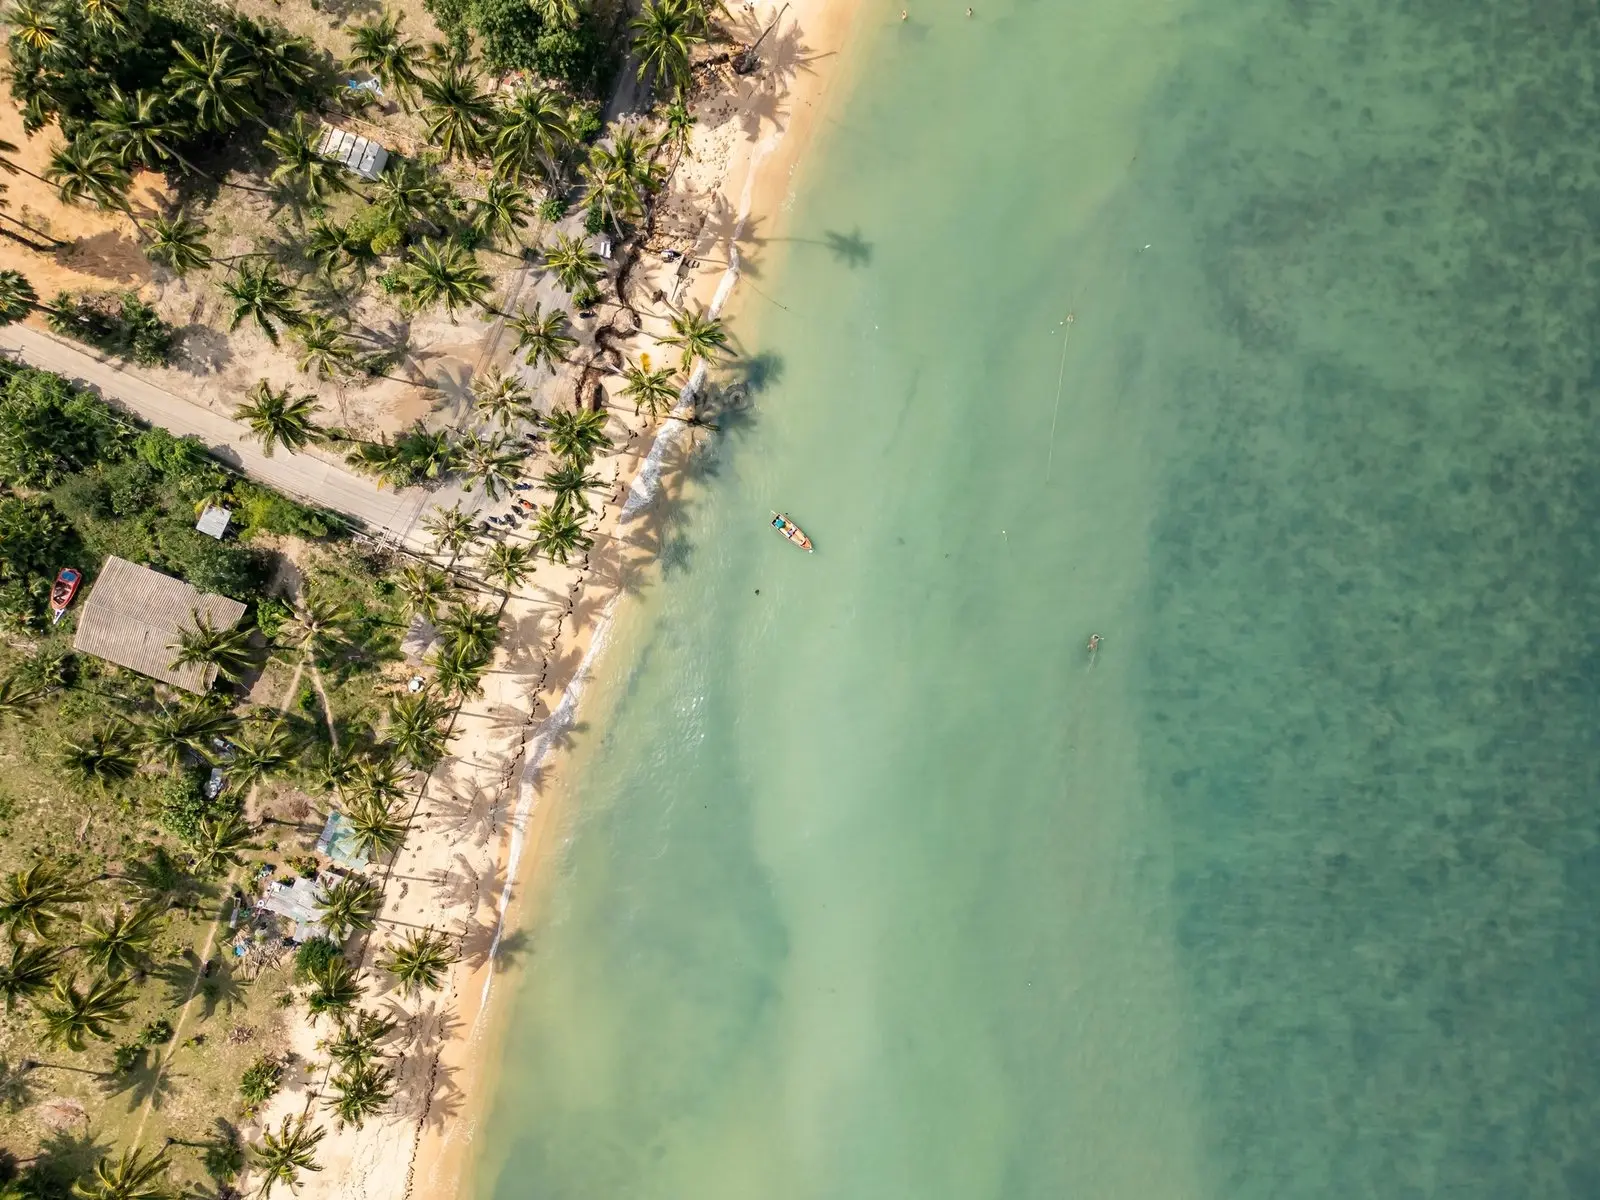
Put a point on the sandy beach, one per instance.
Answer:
(489, 820)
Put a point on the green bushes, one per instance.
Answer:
(315, 956)
(35, 540)
(184, 802)
(49, 429)
(259, 1083)
(513, 35)
(117, 322)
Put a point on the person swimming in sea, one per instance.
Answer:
(1094, 645)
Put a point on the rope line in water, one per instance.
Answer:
(1061, 379)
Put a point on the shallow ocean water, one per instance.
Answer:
(877, 887)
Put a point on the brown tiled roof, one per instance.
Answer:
(133, 616)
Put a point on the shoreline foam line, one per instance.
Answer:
(646, 483)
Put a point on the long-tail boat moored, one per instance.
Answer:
(62, 592)
(790, 530)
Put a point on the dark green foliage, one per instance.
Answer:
(184, 803)
(512, 35)
(35, 540)
(586, 122)
(49, 429)
(212, 566)
(581, 58)
(157, 1033)
(314, 956)
(259, 1083)
(126, 1057)
(256, 508)
(117, 322)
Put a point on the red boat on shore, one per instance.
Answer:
(62, 592)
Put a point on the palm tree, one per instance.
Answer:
(120, 944)
(405, 194)
(349, 905)
(266, 751)
(286, 65)
(379, 47)
(487, 463)
(283, 1155)
(423, 589)
(29, 970)
(33, 26)
(72, 1015)
(534, 132)
(471, 629)
(451, 528)
(84, 170)
(316, 623)
(229, 650)
(379, 779)
(300, 164)
(335, 988)
(278, 419)
(507, 564)
(357, 1042)
(132, 1175)
(574, 265)
(359, 1092)
(414, 729)
(458, 112)
(258, 293)
(677, 126)
(569, 485)
(564, 14)
(649, 389)
(374, 826)
(34, 898)
(700, 335)
(179, 243)
(444, 273)
(17, 297)
(501, 398)
(663, 38)
(420, 961)
(326, 350)
(559, 534)
(619, 178)
(542, 337)
(577, 436)
(216, 84)
(218, 841)
(138, 131)
(103, 758)
(503, 210)
(459, 672)
(174, 731)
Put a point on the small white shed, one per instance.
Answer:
(361, 155)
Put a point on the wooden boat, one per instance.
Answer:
(790, 530)
(62, 592)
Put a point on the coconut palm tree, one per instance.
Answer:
(504, 209)
(414, 729)
(444, 273)
(700, 335)
(334, 988)
(535, 133)
(278, 419)
(559, 534)
(653, 390)
(179, 243)
(564, 14)
(216, 83)
(35, 898)
(71, 1014)
(349, 905)
(489, 463)
(420, 961)
(375, 827)
(501, 398)
(103, 758)
(471, 629)
(217, 843)
(300, 165)
(356, 1044)
(569, 485)
(577, 436)
(17, 698)
(423, 590)
(451, 528)
(139, 130)
(507, 564)
(281, 1156)
(316, 623)
(33, 26)
(574, 265)
(17, 297)
(619, 178)
(378, 46)
(360, 1092)
(122, 942)
(286, 65)
(174, 731)
(229, 650)
(405, 194)
(664, 37)
(380, 779)
(85, 171)
(677, 126)
(459, 672)
(458, 113)
(542, 337)
(264, 751)
(260, 294)
(326, 351)
(28, 971)
(134, 1174)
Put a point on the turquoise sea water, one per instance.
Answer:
(877, 887)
